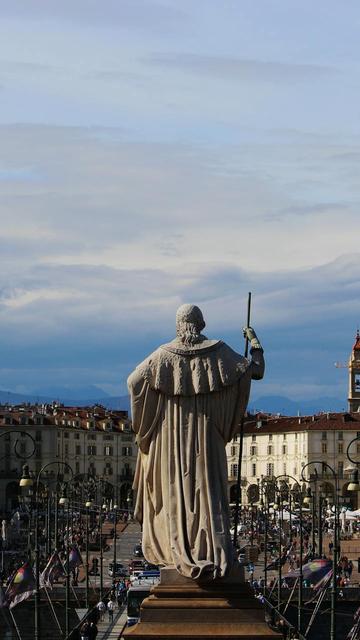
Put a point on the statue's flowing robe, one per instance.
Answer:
(186, 405)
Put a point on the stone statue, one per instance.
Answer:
(187, 400)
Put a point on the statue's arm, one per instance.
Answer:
(257, 354)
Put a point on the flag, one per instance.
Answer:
(22, 585)
(52, 572)
(313, 571)
(75, 559)
(324, 580)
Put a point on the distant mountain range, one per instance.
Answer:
(287, 407)
(68, 398)
(88, 396)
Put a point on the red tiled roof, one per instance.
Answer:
(320, 422)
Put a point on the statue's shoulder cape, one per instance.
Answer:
(177, 370)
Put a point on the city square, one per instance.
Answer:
(179, 320)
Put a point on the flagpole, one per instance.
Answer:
(67, 598)
(37, 631)
(241, 446)
(53, 610)
(15, 625)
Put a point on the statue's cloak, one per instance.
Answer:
(187, 403)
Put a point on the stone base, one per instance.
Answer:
(183, 608)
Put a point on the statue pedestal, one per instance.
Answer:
(182, 608)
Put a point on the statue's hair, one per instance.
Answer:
(189, 324)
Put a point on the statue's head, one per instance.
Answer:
(189, 324)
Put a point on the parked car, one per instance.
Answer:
(120, 570)
(136, 565)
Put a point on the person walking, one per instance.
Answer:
(93, 631)
(111, 608)
(101, 607)
(84, 631)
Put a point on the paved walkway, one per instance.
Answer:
(112, 631)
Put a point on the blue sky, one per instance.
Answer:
(160, 152)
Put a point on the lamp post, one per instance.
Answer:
(64, 501)
(336, 527)
(300, 585)
(27, 481)
(88, 504)
(102, 509)
(115, 508)
(354, 485)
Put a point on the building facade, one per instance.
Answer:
(281, 446)
(92, 440)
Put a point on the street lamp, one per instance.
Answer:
(64, 502)
(284, 479)
(26, 481)
(336, 526)
(88, 505)
(115, 508)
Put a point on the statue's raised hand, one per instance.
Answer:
(250, 334)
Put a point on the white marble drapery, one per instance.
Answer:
(186, 405)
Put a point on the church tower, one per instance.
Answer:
(354, 376)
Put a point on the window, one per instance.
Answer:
(253, 438)
(92, 436)
(284, 449)
(232, 451)
(340, 468)
(108, 451)
(253, 469)
(270, 469)
(340, 447)
(296, 436)
(284, 468)
(91, 450)
(23, 420)
(77, 467)
(108, 438)
(108, 469)
(66, 450)
(234, 470)
(66, 434)
(78, 450)
(270, 437)
(126, 451)
(77, 436)
(284, 436)
(270, 449)
(38, 420)
(323, 447)
(323, 435)
(296, 450)
(340, 435)
(253, 450)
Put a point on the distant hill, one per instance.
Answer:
(288, 407)
(76, 397)
(110, 402)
